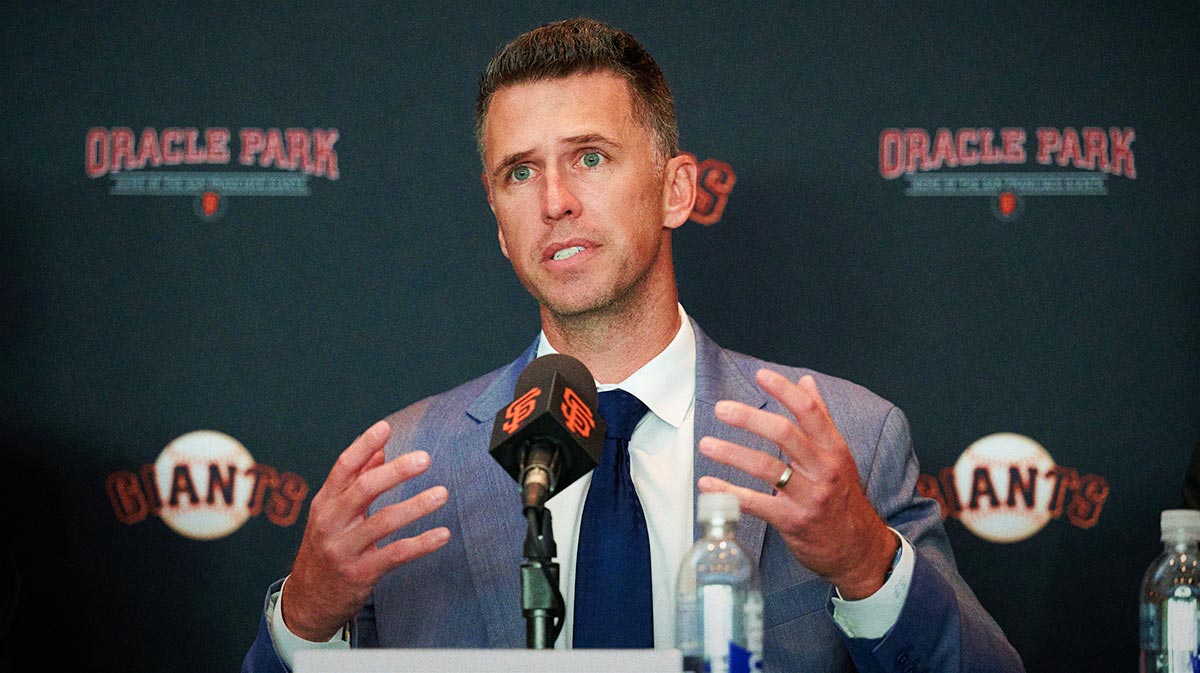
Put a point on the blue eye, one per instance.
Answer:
(521, 173)
(591, 159)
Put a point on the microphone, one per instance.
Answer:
(550, 434)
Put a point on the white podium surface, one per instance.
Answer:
(488, 661)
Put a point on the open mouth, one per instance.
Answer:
(567, 253)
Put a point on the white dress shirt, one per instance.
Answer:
(660, 463)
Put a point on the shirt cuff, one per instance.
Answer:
(875, 615)
(287, 644)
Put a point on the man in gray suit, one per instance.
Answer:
(415, 537)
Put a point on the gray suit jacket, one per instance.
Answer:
(468, 594)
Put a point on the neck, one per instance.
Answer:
(617, 341)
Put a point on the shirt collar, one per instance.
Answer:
(667, 383)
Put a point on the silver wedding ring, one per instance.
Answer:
(784, 478)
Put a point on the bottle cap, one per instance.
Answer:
(1180, 525)
(720, 507)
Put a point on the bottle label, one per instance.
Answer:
(722, 651)
(1181, 624)
(718, 626)
(1181, 627)
(739, 659)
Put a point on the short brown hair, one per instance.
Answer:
(582, 46)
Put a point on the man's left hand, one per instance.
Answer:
(821, 512)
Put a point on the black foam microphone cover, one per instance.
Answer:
(552, 424)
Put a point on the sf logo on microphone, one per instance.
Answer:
(576, 413)
(520, 409)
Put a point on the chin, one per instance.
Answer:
(583, 306)
(574, 309)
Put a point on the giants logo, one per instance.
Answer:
(576, 413)
(211, 485)
(520, 409)
(1005, 488)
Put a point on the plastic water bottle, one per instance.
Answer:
(719, 624)
(1170, 622)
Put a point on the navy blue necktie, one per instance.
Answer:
(614, 605)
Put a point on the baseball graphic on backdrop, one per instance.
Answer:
(1002, 512)
(194, 504)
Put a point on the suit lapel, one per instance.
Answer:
(493, 529)
(718, 377)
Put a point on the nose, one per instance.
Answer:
(559, 200)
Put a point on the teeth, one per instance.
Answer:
(566, 253)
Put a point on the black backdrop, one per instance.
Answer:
(291, 322)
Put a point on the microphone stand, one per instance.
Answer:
(541, 600)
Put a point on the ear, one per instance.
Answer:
(679, 189)
(503, 245)
(487, 189)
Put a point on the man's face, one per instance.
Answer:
(579, 197)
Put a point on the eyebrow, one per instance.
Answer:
(591, 139)
(516, 158)
(508, 162)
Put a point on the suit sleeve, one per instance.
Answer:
(942, 626)
(362, 628)
(262, 657)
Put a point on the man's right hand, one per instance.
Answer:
(339, 561)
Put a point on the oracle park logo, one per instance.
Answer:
(205, 485)
(1080, 162)
(1006, 487)
(194, 163)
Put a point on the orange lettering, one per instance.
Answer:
(715, 180)
(579, 417)
(286, 500)
(265, 477)
(1084, 508)
(125, 494)
(520, 409)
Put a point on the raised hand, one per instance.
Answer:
(339, 561)
(819, 507)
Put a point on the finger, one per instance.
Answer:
(402, 551)
(809, 385)
(761, 505)
(389, 519)
(370, 484)
(360, 451)
(755, 463)
(770, 426)
(375, 461)
(801, 399)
